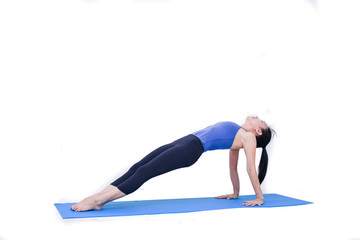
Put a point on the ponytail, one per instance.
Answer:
(262, 141)
(263, 165)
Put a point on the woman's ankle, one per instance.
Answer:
(109, 196)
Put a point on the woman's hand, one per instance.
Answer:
(254, 202)
(228, 196)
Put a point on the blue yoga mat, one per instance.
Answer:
(183, 205)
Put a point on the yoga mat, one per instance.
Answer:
(183, 205)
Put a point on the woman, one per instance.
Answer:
(185, 151)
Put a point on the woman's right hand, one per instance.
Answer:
(228, 196)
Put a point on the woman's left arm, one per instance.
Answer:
(249, 143)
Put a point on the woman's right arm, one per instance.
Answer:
(233, 162)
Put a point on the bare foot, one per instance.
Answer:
(97, 201)
(89, 203)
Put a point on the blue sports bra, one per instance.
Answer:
(218, 136)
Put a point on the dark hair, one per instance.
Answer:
(262, 141)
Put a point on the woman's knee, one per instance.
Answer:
(144, 172)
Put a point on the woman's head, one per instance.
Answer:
(261, 130)
(263, 135)
(255, 125)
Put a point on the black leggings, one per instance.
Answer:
(183, 152)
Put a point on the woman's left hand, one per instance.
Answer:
(254, 202)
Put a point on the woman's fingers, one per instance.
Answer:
(251, 203)
(222, 196)
(228, 196)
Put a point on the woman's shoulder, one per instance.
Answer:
(248, 137)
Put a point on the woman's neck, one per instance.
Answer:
(247, 127)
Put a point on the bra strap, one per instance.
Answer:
(243, 128)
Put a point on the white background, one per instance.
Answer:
(89, 87)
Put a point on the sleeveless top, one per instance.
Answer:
(218, 136)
